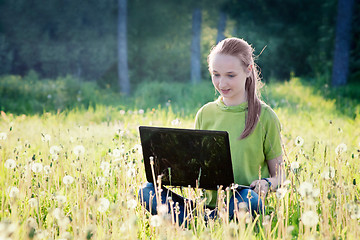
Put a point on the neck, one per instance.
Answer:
(230, 102)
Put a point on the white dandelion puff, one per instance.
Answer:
(3, 136)
(47, 169)
(295, 166)
(131, 203)
(328, 173)
(10, 164)
(176, 122)
(36, 167)
(299, 141)
(341, 148)
(116, 152)
(305, 189)
(155, 221)
(33, 202)
(68, 180)
(58, 213)
(281, 192)
(286, 182)
(131, 172)
(13, 192)
(122, 112)
(31, 223)
(60, 199)
(101, 181)
(104, 165)
(55, 150)
(141, 111)
(104, 204)
(79, 150)
(310, 218)
(45, 137)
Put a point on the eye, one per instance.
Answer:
(231, 76)
(216, 74)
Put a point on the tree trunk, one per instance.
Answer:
(221, 26)
(342, 43)
(123, 71)
(195, 46)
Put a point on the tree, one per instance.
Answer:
(123, 70)
(195, 46)
(342, 43)
(221, 26)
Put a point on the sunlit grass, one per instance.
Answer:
(75, 174)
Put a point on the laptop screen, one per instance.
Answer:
(187, 157)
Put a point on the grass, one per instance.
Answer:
(321, 144)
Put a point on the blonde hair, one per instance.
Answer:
(245, 53)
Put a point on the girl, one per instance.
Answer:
(254, 132)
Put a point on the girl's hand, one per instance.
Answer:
(261, 187)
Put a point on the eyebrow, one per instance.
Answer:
(226, 72)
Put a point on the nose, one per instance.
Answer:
(222, 82)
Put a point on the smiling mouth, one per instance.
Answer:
(225, 90)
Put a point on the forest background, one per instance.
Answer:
(58, 54)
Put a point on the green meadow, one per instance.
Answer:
(72, 171)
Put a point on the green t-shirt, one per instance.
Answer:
(250, 155)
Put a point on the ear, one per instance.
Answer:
(249, 70)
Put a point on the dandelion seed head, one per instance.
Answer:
(328, 173)
(104, 165)
(79, 150)
(281, 192)
(36, 167)
(47, 169)
(68, 180)
(176, 122)
(10, 164)
(101, 181)
(33, 202)
(310, 218)
(155, 221)
(58, 213)
(55, 150)
(103, 205)
(13, 192)
(295, 166)
(60, 199)
(31, 223)
(305, 189)
(141, 111)
(122, 112)
(299, 141)
(3, 136)
(45, 138)
(341, 148)
(131, 203)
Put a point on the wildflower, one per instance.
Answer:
(122, 112)
(305, 189)
(104, 165)
(45, 137)
(281, 192)
(79, 150)
(141, 111)
(131, 172)
(295, 166)
(47, 169)
(137, 147)
(299, 141)
(155, 221)
(131, 203)
(58, 214)
(3, 136)
(354, 210)
(176, 122)
(286, 182)
(33, 202)
(55, 150)
(340, 148)
(60, 199)
(68, 179)
(328, 173)
(104, 205)
(36, 167)
(117, 152)
(10, 164)
(13, 192)
(310, 218)
(101, 181)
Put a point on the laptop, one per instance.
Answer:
(187, 157)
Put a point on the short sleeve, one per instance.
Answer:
(198, 119)
(272, 138)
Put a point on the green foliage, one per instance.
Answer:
(31, 95)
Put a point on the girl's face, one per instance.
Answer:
(229, 77)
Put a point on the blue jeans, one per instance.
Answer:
(241, 195)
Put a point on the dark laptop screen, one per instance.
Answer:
(187, 157)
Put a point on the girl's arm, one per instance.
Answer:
(277, 176)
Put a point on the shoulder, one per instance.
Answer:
(208, 107)
(268, 115)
